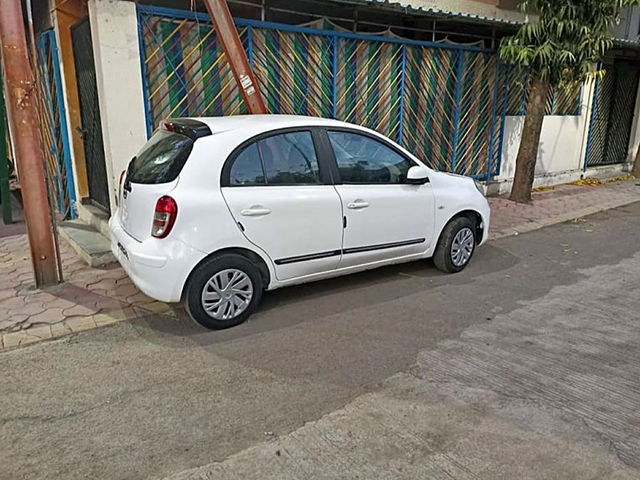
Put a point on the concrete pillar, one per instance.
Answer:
(114, 31)
(587, 110)
(634, 141)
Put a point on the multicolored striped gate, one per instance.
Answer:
(54, 139)
(445, 103)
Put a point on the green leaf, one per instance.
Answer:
(566, 38)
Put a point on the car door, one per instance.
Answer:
(282, 197)
(385, 216)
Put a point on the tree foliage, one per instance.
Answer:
(568, 37)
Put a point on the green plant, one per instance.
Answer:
(558, 48)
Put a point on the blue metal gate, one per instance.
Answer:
(54, 138)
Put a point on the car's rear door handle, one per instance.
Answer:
(357, 205)
(255, 212)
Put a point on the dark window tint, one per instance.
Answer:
(362, 159)
(247, 169)
(290, 158)
(161, 159)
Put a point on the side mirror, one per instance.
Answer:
(418, 175)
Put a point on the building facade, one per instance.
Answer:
(424, 73)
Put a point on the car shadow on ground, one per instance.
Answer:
(288, 307)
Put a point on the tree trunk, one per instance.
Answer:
(636, 166)
(528, 152)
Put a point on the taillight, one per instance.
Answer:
(164, 217)
(121, 177)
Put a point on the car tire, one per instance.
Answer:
(206, 301)
(445, 257)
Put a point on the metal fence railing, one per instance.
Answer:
(446, 103)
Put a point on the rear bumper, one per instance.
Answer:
(158, 267)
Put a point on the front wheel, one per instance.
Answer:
(224, 291)
(456, 245)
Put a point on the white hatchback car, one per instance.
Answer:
(214, 211)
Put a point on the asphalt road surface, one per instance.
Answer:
(526, 365)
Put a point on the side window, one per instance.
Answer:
(290, 158)
(282, 159)
(247, 168)
(362, 159)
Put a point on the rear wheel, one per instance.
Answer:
(224, 291)
(456, 245)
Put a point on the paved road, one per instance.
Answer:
(524, 366)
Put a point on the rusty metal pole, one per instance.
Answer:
(227, 34)
(21, 102)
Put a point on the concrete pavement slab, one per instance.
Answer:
(549, 390)
(412, 429)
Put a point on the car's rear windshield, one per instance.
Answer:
(161, 159)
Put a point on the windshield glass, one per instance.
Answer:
(161, 159)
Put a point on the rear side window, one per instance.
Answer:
(247, 168)
(161, 159)
(281, 159)
(290, 158)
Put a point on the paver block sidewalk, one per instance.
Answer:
(90, 297)
(563, 203)
(93, 297)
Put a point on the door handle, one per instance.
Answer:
(358, 205)
(255, 212)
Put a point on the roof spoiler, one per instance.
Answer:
(194, 129)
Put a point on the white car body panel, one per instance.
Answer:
(136, 210)
(451, 200)
(383, 215)
(206, 225)
(290, 222)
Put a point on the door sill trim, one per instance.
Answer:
(304, 258)
(347, 251)
(383, 246)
